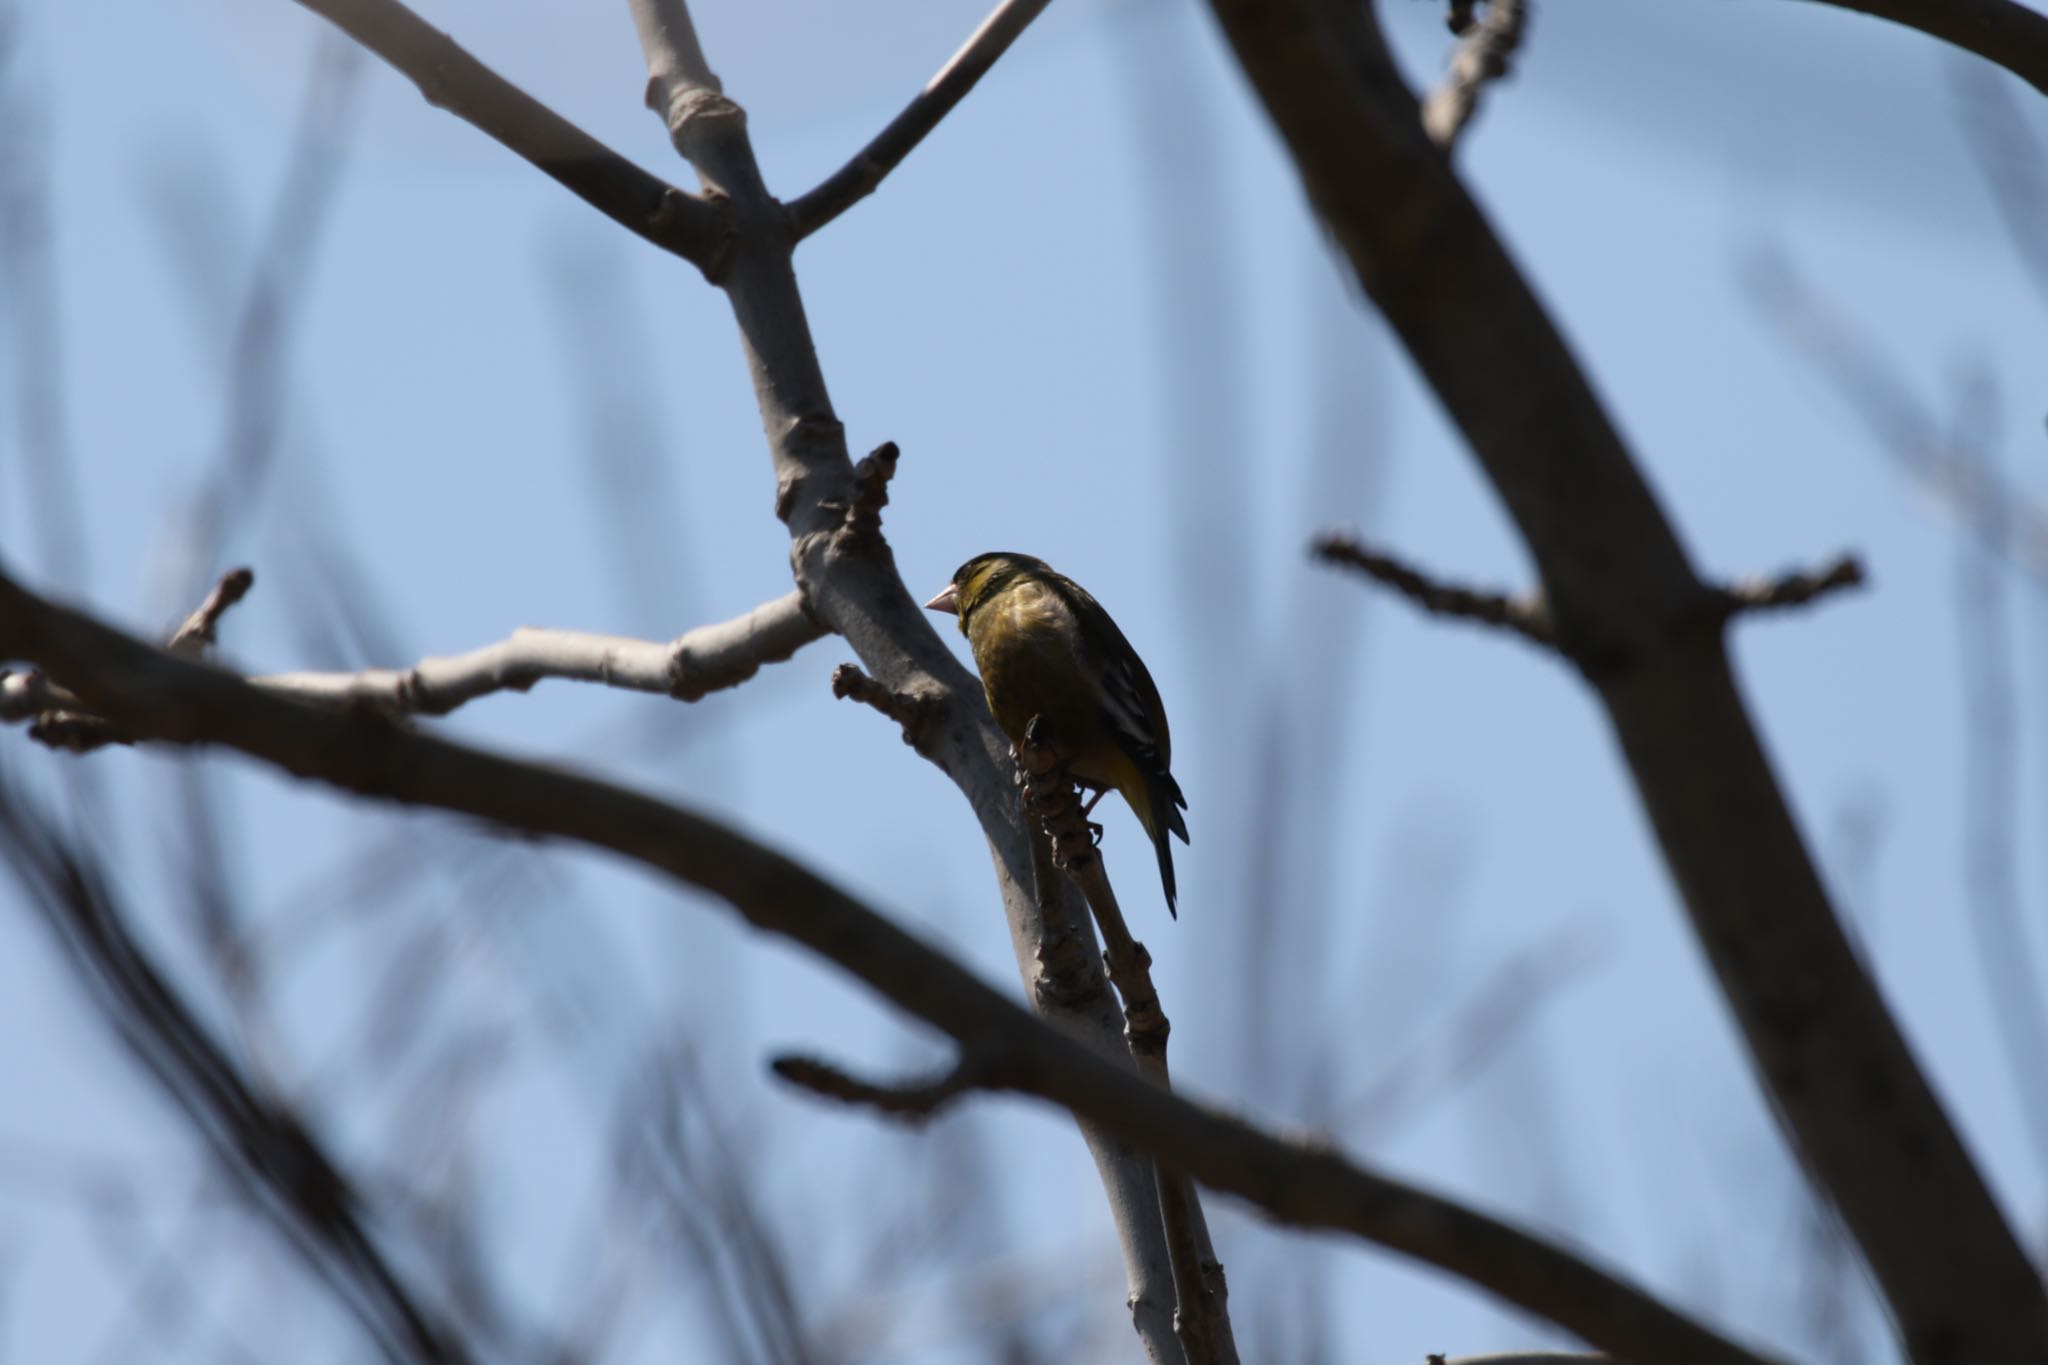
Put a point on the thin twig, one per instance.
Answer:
(60, 721)
(858, 178)
(915, 712)
(914, 1102)
(1526, 616)
(452, 79)
(871, 493)
(1795, 588)
(1485, 47)
(162, 698)
(192, 637)
(1202, 1315)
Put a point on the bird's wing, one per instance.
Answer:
(1130, 699)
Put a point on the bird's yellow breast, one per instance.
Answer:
(1028, 648)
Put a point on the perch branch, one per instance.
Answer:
(1202, 1295)
(858, 178)
(450, 78)
(1485, 47)
(853, 586)
(159, 697)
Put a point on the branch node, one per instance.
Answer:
(861, 524)
(1527, 617)
(915, 712)
(1795, 589)
(914, 1102)
(192, 637)
(75, 732)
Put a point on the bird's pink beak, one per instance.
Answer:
(948, 600)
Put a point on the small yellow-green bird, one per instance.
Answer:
(1046, 648)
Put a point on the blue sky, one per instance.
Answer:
(1096, 315)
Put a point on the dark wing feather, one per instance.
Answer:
(1130, 701)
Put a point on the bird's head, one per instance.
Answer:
(980, 579)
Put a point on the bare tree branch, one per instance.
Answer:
(914, 1101)
(155, 695)
(450, 78)
(1485, 47)
(858, 178)
(691, 666)
(1797, 588)
(914, 712)
(192, 637)
(1627, 607)
(695, 664)
(1525, 616)
(851, 583)
(1201, 1316)
(2004, 32)
(1529, 618)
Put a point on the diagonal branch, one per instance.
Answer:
(449, 77)
(1627, 605)
(1525, 616)
(857, 179)
(158, 696)
(850, 581)
(2004, 32)
(1201, 1316)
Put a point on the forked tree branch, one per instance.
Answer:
(158, 696)
(450, 78)
(850, 580)
(1626, 606)
(858, 178)
(1528, 617)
